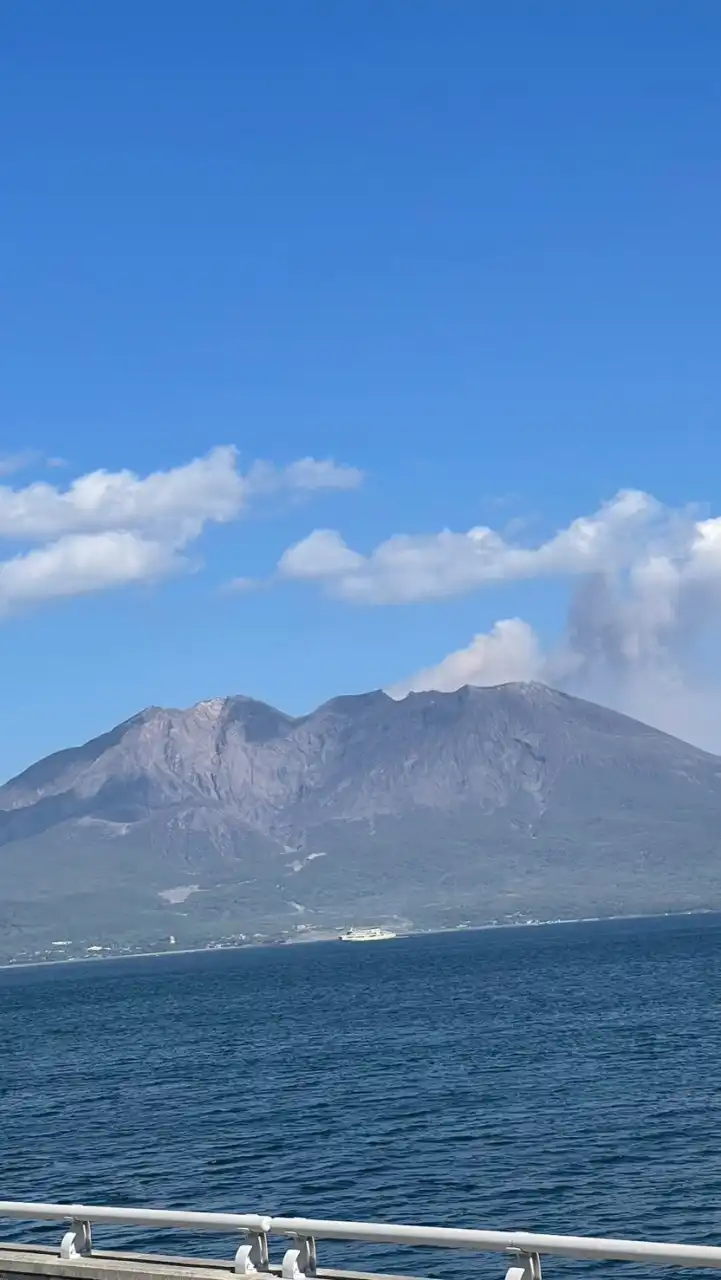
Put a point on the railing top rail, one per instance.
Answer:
(658, 1253)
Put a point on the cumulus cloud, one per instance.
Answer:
(323, 556)
(176, 503)
(409, 568)
(107, 528)
(83, 563)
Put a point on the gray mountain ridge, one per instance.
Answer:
(231, 817)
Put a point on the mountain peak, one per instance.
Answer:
(437, 807)
(349, 703)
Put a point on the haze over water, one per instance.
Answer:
(558, 1079)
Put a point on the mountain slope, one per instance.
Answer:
(474, 805)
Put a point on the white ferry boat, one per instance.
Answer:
(366, 935)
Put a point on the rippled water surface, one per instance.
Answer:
(560, 1079)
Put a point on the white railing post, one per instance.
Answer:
(252, 1256)
(300, 1260)
(526, 1266)
(78, 1241)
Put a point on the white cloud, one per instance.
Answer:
(79, 564)
(323, 554)
(109, 528)
(409, 568)
(182, 498)
(178, 501)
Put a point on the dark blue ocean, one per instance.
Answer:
(563, 1078)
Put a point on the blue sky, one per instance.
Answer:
(470, 250)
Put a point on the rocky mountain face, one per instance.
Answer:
(473, 806)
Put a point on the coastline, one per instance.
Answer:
(399, 937)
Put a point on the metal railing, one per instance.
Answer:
(523, 1249)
